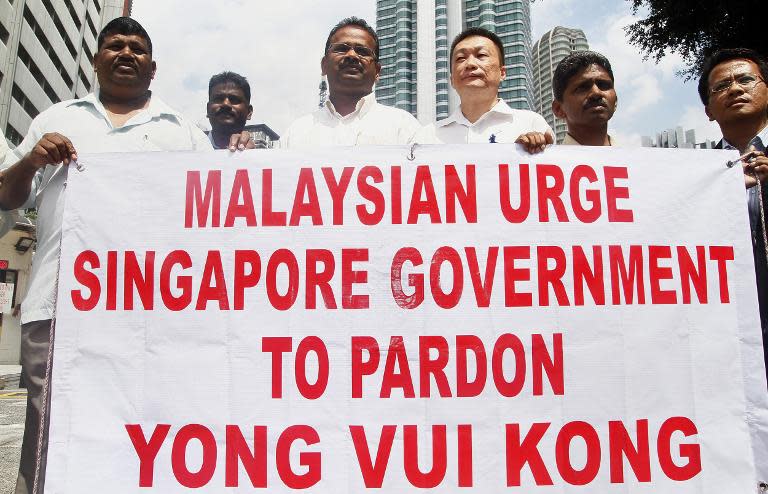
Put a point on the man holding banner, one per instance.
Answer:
(351, 116)
(585, 98)
(477, 70)
(228, 109)
(123, 116)
(733, 89)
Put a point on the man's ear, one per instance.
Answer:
(503, 72)
(709, 114)
(323, 61)
(250, 112)
(154, 69)
(557, 109)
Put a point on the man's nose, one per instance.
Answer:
(735, 87)
(352, 55)
(126, 51)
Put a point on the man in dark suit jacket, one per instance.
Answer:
(733, 90)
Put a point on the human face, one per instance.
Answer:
(476, 64)
(349, 72)
(589, 98)
(124, 61)
(228, 108)
(737, 102)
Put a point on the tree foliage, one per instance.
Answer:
(696, 28)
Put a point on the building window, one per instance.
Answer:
(4, 34)
(43, 39)
(90, 25)
(84, 79)
(13, 135)
(73, 14)
(30, 64)
(22, 100)
(60, 27)
(87, 52)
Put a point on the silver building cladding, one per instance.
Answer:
(415, 37)
(46, 55)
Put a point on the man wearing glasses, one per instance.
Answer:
(732, 88)
(351, 116)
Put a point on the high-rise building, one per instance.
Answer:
(46, 55)
(676, 138)
(554, 46)
(415, 39)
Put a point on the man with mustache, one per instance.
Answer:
(477, 70)
(229, 107)
(122, 116)
(585, 98)
(733, 89)
(351, 116)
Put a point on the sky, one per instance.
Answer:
(278, 47)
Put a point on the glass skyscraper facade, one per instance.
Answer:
(396, 28)
(415, 38)
(554, 46)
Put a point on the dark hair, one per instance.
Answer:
(356, 22)
(725, 55)
(233, 77)
(126, 26)
(572, 65)
(478, 31)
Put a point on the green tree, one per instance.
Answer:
(696, 28)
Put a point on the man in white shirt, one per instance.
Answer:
(477, 70)
(123, 116)
(228, 109)
(585, 98)
(8, 219)
(351, 116)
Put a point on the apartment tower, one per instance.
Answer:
(554, 46)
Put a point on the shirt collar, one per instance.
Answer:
(458, 117)
(569, 140)
(760, 141)
(156, 109)
(362, 107)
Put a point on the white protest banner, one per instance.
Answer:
(347, 320)
(6, 297)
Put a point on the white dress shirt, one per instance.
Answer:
(499, 124)
(8, 219)
(370, 123)
(568, 140)
(85, 122)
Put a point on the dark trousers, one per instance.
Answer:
(35, 342)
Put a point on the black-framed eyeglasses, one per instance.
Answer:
(343, 49)
(746, 81)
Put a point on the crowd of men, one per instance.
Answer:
(125, 116)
